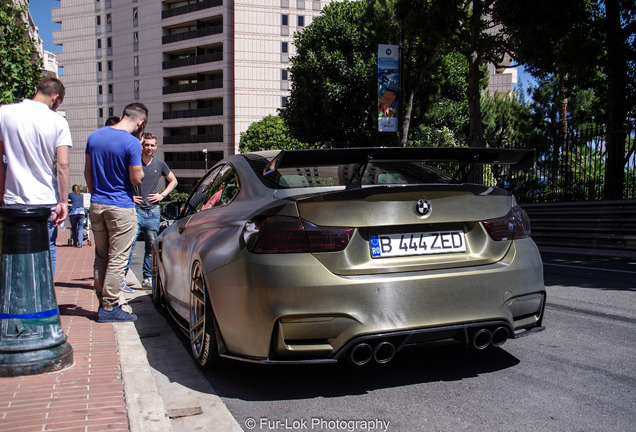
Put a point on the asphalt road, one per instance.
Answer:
(577, 375)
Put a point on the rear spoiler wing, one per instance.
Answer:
(517, 159)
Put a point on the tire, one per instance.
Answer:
(157, 284)
(202, 334)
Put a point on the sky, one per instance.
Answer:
(41, 14)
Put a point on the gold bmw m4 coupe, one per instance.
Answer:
(317, 256)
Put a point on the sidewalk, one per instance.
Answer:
(111, 385)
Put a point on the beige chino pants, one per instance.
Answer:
(114, 229)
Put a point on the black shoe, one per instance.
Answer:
(115, 315)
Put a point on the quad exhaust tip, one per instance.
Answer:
(500, 336)
(483, 338)
(363, 353)
(382, 353)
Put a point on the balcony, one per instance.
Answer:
(191, 8)
(193, 34)
(201, 85)
(194, 60)
(191, 113)
(193, 139)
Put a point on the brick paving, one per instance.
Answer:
(87, 396)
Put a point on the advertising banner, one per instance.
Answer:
(388, 84)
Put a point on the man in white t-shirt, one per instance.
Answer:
(32, 136)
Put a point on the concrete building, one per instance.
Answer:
(205, 69)
(502, 78)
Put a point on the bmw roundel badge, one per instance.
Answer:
(422, 207)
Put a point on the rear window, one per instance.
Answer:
(375, 174)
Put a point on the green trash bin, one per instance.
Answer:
(31, 337)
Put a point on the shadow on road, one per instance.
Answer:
(274, 382)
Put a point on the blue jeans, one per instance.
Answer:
(148, 223)
(77, 228)
(52, 245)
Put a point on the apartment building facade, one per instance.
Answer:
(205, 69)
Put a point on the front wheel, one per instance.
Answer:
(202, 335)
(157, 286)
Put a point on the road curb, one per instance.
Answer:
(165, 390)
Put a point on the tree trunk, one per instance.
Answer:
(476, 134)
(476, 137)
(406, 121)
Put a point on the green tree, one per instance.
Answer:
(333, 79)
(334, 87)
(465, 27)
(584, 43)
(270, 133)
(21, 69)
(506, 121)
(440, 111)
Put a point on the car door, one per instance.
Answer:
(178, 244)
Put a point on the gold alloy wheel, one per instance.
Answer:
(198, 333)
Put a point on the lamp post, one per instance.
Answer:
(205, 152)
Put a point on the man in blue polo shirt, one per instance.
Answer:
(113, 167)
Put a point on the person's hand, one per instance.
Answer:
(155, 197)
(60, 213)
(138, 199)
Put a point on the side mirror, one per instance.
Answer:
(172, 210)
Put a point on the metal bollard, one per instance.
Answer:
(31, 337)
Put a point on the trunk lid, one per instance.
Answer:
(454, 236)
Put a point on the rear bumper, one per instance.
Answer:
(298, 311)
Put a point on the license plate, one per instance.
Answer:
(390, 245)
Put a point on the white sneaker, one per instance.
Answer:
(147, 283)
(126, 288)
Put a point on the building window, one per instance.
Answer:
(136, 41)
(284, 57)
(100, 113)
(99, 66)
(283, 75)
(99, 44)
(136, 65)
(135, 16)
(301, 21)
(111, 112)
(284, 101)
(136, 95)
(98, 20)
(285, 20)
(99, 90)
(109, 46)
(109, 23)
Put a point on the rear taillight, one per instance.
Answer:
(285, 234)
(515, 225)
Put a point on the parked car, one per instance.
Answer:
(315, 256)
